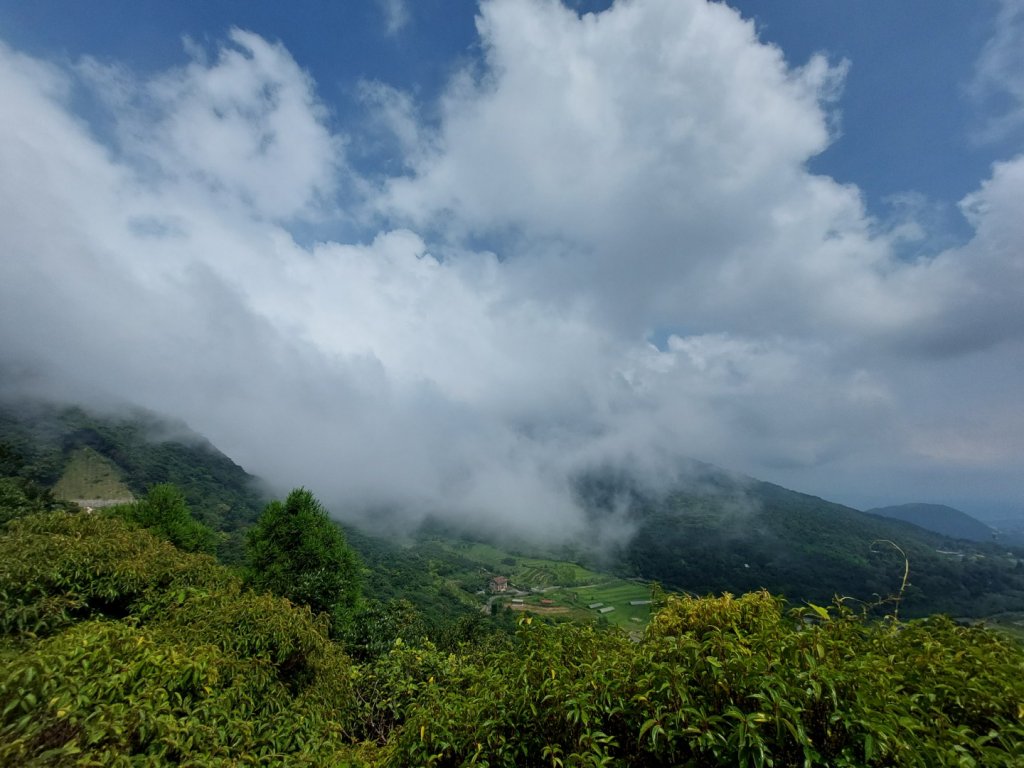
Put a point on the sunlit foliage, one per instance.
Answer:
(123, 650)
(116, 648)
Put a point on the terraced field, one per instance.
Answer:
(524, 572)
(539, 574)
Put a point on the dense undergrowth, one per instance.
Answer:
(116, 648)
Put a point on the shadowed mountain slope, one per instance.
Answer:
(939, 518)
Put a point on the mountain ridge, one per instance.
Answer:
(939, 518)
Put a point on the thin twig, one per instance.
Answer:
(906, 573)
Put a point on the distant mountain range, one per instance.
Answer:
(721, 531)
(711, 531)
(939, 518)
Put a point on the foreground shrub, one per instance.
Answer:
(729, 681)
(109, 694)
(118, 649)
(123, 650)
(58, 568)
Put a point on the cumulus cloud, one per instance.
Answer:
(653, 158)
(244, 129)
(999, 74)
(663, 278)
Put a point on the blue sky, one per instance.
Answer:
(495, 243)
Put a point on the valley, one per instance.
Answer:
(545, 586)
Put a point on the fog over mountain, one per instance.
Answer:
(600, 245)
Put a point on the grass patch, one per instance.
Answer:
(618, 593)
(90, 475)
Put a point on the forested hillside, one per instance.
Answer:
(711, 531)
(143, 449)
(723, 531)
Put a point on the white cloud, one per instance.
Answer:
(658, 149)
(396, 15)
(639, 172)
(999, 74)
(575, 116)
(246, 129)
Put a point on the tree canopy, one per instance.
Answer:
(294, 550)
(165, 512)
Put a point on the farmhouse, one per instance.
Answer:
(499, 584)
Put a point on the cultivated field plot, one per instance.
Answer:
(560, 587)
(525, 572)
(90, 475)
(618, 594)
(539, 574)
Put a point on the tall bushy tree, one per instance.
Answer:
(165, 512)
(295, 551)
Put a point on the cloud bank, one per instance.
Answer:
(605, 246)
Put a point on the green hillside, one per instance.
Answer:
(72, 449)
(117, 648)
(716, 532)
(724, 532)
(91, 476)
